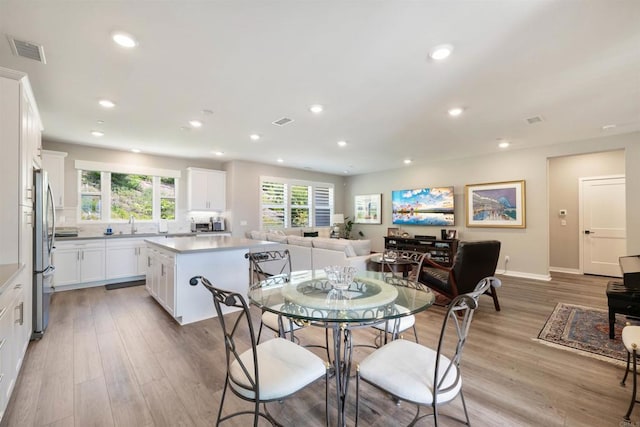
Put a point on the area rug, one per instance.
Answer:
(584, 330)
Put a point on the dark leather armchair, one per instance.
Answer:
(473, 262)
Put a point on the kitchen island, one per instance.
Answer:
(173, 261)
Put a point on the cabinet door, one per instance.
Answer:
(142, 259)
(19, 326)
(170, 290)
(198, 191)
(121, 259)
(92, 264)
(67, 263)
(53, 163)
(216, 187)
(27, 120)
(6, 353)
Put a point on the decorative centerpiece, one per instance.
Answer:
(339, 278)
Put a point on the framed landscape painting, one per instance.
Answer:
(367, 209)
(496, 204)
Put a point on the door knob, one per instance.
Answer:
(589, 232)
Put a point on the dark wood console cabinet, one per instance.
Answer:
(441, 251)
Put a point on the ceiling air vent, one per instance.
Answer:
(283, 121)
(27, 50)
(534, 120)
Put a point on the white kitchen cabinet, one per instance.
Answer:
(125, 257)
(161, 278)
(53, 163)
(206, 190)
(79, 262)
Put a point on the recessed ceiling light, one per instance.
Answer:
(407, 161)
(280, 160)
(106, 103)
(316, 108)
(441, 52)
(218, 153)
(195, 123)
(124, 39)
(342, 143)
(97, 133)
(254, 136)
(455, 112)
(608, 127)
(100, 122)
(135, 150)
(503, 143)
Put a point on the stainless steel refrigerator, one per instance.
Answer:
(44, 230)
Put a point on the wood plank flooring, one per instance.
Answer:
(115, 358)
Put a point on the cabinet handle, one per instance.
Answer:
(78, 256)
(29, 193)
(148, 261)
(18, 286)
(83, 255)
(2, 312)
(162, 269)
(21, 307)
(2, 345)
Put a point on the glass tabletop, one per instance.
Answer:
(372, 297)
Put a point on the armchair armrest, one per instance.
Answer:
(430, 263)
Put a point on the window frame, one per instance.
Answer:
(288, 206)
(105, 192)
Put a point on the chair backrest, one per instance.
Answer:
(235, 330)
(453, 337)
(274, 265)
(390, 256)
(473, 262)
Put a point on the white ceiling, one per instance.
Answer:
(575, 63)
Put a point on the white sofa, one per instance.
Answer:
(312, 253)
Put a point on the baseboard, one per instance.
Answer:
(565, 270)
(542, 277)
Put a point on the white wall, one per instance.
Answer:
(527, 248)
(564, 175)
(243, 187)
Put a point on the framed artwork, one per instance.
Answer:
(451, 234)
(393, 232)
(367, 209)
(496, 204)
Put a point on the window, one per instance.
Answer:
(285, 203)
(116, 196)
(90, 195)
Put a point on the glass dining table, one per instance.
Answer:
(307, 297)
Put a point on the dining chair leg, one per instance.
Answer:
(357, 393)
(494, 295)
(635, 383)
(626, 372)
(464, 408)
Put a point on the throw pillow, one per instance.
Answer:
(361, 247)
(298, 241)
(310, 234)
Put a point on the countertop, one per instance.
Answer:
(137, 235)
(182, 245)
(8, 272)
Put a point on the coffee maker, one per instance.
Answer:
(217, 223)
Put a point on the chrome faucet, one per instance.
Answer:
(132, 221)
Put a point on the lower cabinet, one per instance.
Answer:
(15, 332)
(125, 258)
(78, 262)
(161, 278)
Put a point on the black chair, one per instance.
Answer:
(260, 373)
(473, 261)
(421, 375)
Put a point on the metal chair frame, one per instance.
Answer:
(233, 337)
(634, 398)
(460, 314)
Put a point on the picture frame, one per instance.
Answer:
(451, 234)
(496, 204)
(368, 209)
(393, 232)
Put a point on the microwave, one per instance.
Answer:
(198, 227)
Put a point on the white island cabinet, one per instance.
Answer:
(174, 261)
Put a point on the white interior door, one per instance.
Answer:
(603, 225)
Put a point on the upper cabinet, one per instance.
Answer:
(206, 190)
(53, 163)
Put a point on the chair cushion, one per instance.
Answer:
(405, 322)
(630, 336)
(436, 278)
(284, 368)
(406, 370)
(270, 320)
(299, 241)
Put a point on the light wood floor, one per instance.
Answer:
(116, 358)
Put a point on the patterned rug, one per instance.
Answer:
(584, 330)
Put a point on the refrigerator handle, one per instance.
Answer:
(51, 205)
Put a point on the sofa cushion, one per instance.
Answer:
(258, 235)
(276, 237)
(299, 241)
(361, 247)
